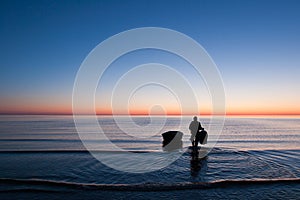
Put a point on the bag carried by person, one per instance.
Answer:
(201, 137)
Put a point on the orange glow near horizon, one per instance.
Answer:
(68, 110)
(56, 107)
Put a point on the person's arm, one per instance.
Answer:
(199, 126)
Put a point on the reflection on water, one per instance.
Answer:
(196, 162)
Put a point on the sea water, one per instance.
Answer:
(44, 157)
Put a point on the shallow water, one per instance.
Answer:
(42, 155)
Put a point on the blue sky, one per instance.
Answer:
(255, 45)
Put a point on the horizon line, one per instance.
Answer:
(145, 114)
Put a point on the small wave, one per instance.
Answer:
(147, 186)
(186, 150)
(77, 151)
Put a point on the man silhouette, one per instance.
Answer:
(194, 127)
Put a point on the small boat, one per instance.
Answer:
(172, 140)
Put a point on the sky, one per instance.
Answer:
(255, 45)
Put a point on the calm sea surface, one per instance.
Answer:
(43, 157)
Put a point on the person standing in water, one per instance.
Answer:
(194, 127)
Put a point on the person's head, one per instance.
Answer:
(195, 118)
